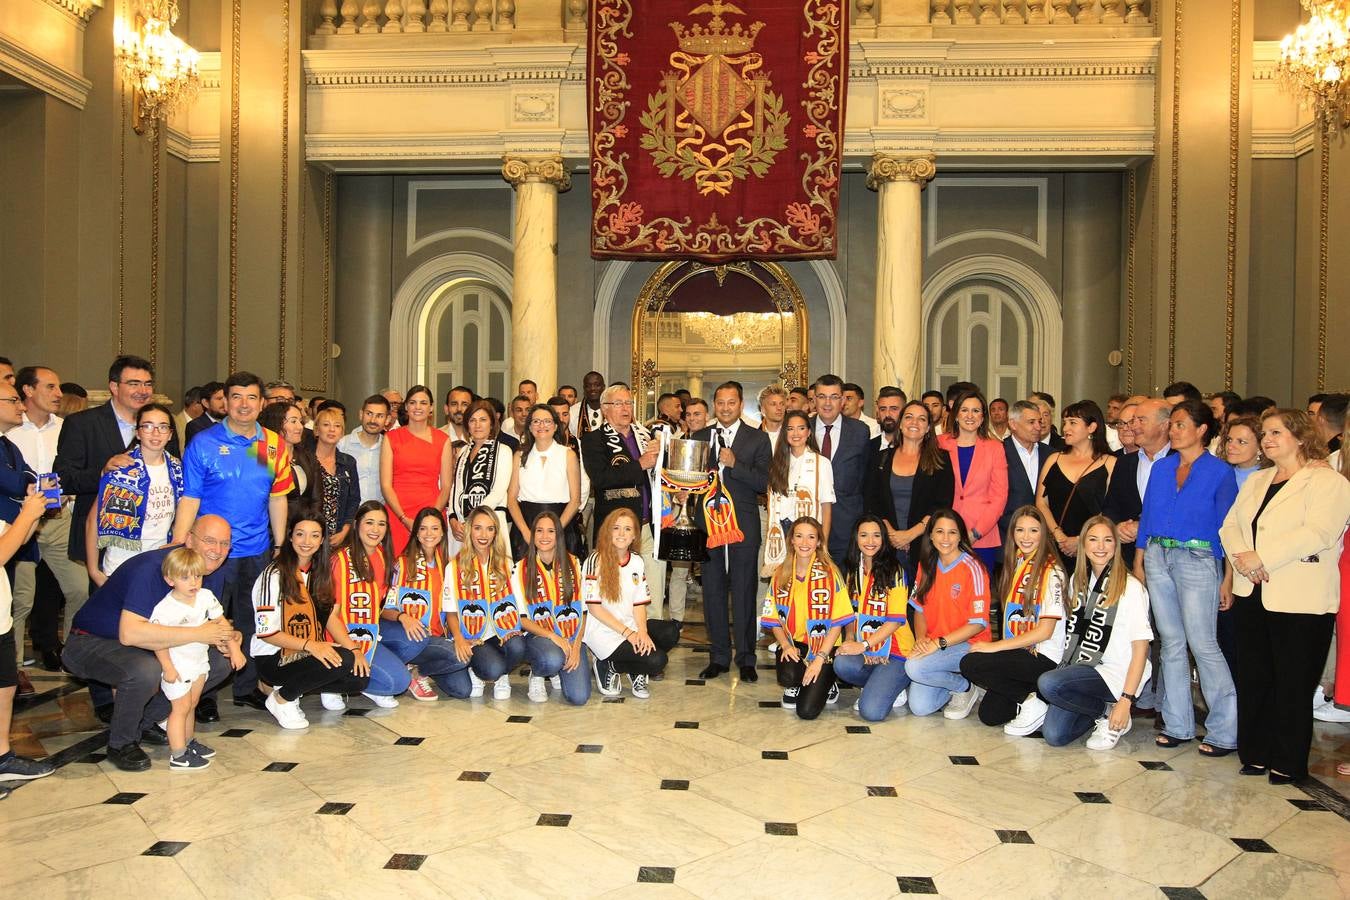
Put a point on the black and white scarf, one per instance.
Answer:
(618, 450)
(1090, 624)
(479, 474)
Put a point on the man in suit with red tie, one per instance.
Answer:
(846, 443)
(741, 454)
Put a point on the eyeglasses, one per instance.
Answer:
(627, 403)
(539, 423)
(154, 427)
(137, 385)
(14, 400)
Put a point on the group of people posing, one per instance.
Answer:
(918, 555)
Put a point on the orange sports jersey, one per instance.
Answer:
(959, 596)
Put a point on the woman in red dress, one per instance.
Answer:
(415, 465)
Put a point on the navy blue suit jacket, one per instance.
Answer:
(852, 447)
(1020, 492)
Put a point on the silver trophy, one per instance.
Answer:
(686, 461)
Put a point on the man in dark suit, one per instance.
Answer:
(95, 440)
(846, 443)
(741, 454)
(1026, 455)
(213, 410)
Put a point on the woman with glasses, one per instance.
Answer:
(545, 477)
(136, 504)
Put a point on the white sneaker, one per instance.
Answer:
(790, 695)
(1331, 713)
(1030, 715)
(381, 701)
(901, 699)
(288, 715)
(475, 685)
(501, 688)
(556, 681)
(333, 702)
(1320, 698)
(856, 704)
(537, 691)
(640, 690)
(1104, 737)
(961, 704)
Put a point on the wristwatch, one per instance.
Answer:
(942, 643)
(1133, 698)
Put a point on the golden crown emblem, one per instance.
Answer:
(716, 39)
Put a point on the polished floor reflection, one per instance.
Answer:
(705, 790)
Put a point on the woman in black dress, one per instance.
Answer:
(1073, 482)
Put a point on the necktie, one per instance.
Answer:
(827, 447)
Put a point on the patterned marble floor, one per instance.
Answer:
(705, 790)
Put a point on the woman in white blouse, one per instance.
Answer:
(546, 476)
(801, 484)
(482, 473)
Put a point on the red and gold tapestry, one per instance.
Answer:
(716, 128)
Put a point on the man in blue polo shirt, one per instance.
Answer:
(240, 471)
(112, 641)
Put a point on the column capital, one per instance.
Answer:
(520, 169)
(884, 168)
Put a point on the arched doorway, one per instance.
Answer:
(696, 325)
(466, 339)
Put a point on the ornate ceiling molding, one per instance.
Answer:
(27, 66)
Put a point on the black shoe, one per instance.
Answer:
(130, 758)
(207, 712)
(256, 700)
(51, 660)
(749, 674)
(103, 712)
(1276, 778)
(1252, 770)
(155, 736)
(713, 670)
(21, 768)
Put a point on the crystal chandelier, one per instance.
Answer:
(161, 68)
(742, 331)
(1315, 62)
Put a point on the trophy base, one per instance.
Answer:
(683, 545)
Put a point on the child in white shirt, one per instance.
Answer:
(187, 605)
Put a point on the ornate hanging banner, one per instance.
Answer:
(716, 128)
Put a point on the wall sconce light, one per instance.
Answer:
(161, 67)
(1315, 62)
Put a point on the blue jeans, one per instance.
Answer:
(492, 659)
(1077, 696)
(935, 678)
(546, 660)
(881, 683)
(434, 657)
(1183, 589)
(389, 677)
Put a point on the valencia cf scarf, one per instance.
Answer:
(419, 594)
(549, 609)
(480, 472)
(359, 600)
(299, 619)
(1090, 625)
(487, 608)
(778, 609)
(871, 609)
(1022, 610)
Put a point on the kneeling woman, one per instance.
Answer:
(484, 617)
(292, 598)
(806, 610)
(879, 638)
(548, 583)
(360, 584)
(412, 623)
(1106, 658)
(618, 633)
(951, 612)
(1032, 586)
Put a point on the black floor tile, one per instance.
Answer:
(881, 791)
(1013, 836)
(782, 829)
(1307, 805)
(857, 729)
(473, 776)
(1091, 797)
(770, 704)
(166, 848)
(555, 820)
(358, 712)
(1254, 845)
(964, 760)
(674, 784)
(1154, 765)
(1182, 893)
(613, 700)
(590, 748)
(656, 875)
(686, 725)
(697, 682)
(773, 754)
(124, 798)
(915, 884)
(335, 809)
(236, 732)
(408, 741)
(518, 720)
(280, 766)
(408, 862)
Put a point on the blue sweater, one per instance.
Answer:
(1193, 513)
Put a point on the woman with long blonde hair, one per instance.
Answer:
(482, 612)
(618, 633)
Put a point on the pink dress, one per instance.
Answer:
(416, 476)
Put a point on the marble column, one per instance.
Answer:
(534, 290)
(899, 303)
